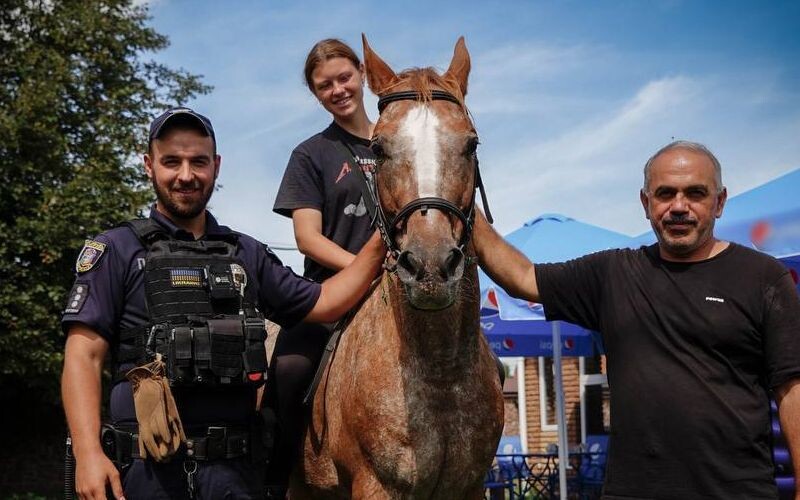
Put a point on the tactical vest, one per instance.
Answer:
(200, 321)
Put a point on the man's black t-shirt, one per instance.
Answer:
(692, 350)
(319, 175)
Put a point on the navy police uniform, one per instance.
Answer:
(109, 297)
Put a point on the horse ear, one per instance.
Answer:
(379, 75)
(459, 66)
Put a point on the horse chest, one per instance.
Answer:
(433, 445)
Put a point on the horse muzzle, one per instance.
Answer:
(430, 276)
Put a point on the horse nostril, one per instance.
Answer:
(451, 263)
(408, 261)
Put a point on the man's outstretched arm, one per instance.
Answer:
(342, 291)
(506, 265)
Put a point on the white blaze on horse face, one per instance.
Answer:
(420, 132)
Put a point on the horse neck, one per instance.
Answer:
(438, 343)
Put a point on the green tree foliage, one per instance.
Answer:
(77, 91)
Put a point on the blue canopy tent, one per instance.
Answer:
(517, 338)
(767, 218)
(518, 328)
(506, 323)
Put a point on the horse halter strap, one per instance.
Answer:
(389, 228)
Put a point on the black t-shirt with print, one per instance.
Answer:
(319, 175)
(692, 349)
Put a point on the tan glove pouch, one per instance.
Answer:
(160, 429)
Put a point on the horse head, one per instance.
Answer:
(426, 175)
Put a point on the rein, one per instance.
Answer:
(387, 228)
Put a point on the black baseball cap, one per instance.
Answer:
(182, 113)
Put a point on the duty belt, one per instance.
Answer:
(217, 443)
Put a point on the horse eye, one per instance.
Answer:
(471, 147)
(379, 152)
(377, 149)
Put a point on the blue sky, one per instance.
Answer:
(570, 98)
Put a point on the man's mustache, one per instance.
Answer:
(186, 185)
(679, 220)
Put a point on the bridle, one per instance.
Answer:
(387, 228)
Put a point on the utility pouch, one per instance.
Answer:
(221, 351)
(227, 345)
(179, 356)
(202, 355)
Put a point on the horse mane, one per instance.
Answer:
(424, 80)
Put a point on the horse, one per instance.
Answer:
(410, 404)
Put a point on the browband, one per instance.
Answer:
(411, 95)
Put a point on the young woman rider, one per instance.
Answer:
(323, 194)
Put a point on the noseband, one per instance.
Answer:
(388, 229)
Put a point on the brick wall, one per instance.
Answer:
(538, 439)
(511, 427)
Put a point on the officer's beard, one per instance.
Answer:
(168, 200)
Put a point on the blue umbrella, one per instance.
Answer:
(778, 196)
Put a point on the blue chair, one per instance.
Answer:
(513, 467)
(509, 445)
(496, 484)
(786, 486)
(508, 468)
(781, 458)
(592, 471)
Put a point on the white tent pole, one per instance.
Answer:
(563, 452)
(522, 401)
(582, 386)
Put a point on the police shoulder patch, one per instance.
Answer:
(90, 255)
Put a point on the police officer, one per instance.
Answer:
(180, 286)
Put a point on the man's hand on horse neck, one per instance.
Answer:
(506, 265)
(342, 291)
